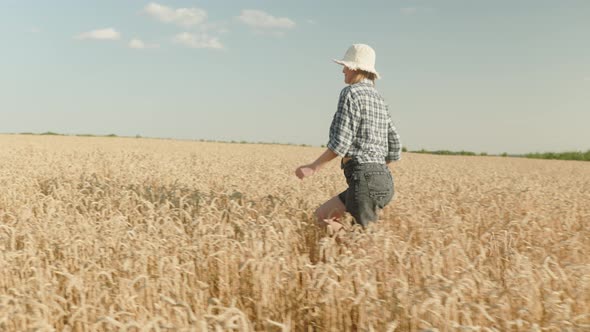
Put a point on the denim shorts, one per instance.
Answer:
(370, 188)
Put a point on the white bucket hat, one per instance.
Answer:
(359, 56)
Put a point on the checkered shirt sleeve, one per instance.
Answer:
(344, 125)
(393, 142)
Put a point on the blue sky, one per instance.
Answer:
(484, 76)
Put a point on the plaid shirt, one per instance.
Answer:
(362, 127)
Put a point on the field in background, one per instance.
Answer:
(159, 235)
(567, 155)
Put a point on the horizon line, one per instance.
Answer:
(421, 150)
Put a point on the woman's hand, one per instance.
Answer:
(309, 169)
(304, 171)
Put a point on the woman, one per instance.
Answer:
(363, 134)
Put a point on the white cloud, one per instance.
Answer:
(409, 10)
(34, 30)
(185, 17)
(262, 20)
(138, 44)
(100, 34)
(587, 79)
(201, 40)
(310, 21)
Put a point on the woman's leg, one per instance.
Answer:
(329, 213)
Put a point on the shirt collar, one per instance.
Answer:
(366, 81)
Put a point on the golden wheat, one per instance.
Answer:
(122, 234)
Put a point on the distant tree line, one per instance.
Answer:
(51, 133)
(571, 155)
(447, 152)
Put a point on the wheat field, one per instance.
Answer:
(126, 234)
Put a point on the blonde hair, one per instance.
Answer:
(362, 74)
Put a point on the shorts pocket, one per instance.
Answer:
(380, 185)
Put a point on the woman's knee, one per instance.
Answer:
(320, 214)
(332, 209)
(327, 211)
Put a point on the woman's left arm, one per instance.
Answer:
(307, 170)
